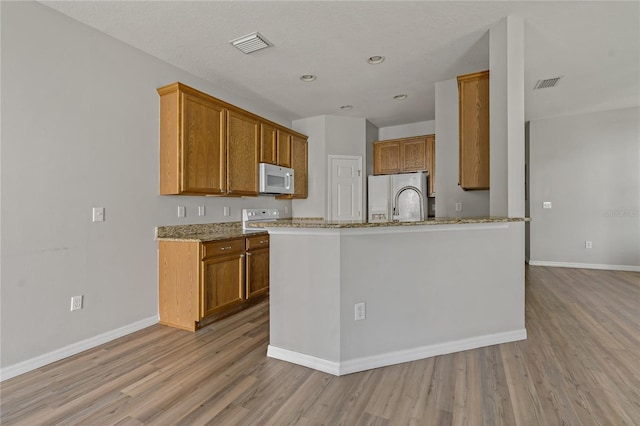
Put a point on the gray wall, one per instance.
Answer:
(80, 120)
(407, 130)
(588, 166)
(448, 192)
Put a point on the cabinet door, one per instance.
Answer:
(413, 155)
(222, 283)
(284, 148)
(431, 164)
(299, 163)
(386, 158)
(202, 146)
(243, 140)
(257, 272)
(268, 144)
(474, 130)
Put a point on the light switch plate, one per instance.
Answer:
(201, 211)
(546, 204)
(225, 210)
(182, 211)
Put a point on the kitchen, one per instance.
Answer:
(88, 118)
(207, 272)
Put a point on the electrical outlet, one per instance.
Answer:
(458, 207)
(182, 211)
(546, 204)
(360, 313)
(98, 214)
(226, 210)
(588, 244)
(76, 303)
(201, 211)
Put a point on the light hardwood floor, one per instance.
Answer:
(579, 366)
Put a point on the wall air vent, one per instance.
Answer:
(251, 42)
(549, 82)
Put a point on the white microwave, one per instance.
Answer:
(275, 179)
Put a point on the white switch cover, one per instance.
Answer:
(458, 207)
(98, 214)
(546, 204)
(201, 211)
(76, 303)
(182, 211)
(225, 210)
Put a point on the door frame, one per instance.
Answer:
(330, 159)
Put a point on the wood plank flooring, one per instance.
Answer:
(579, 366)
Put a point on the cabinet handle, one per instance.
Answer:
(264, 241)
(248, 254)
(242, 256)
(225, 248)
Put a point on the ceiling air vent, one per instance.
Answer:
(549, 82)
(251, 42)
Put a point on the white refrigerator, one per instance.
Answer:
(401, 197)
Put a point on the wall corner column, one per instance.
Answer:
(506, 64)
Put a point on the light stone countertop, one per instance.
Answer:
(203, 232)
(320, 223)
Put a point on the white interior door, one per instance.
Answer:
(345, 187)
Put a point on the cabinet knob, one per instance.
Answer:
(248, 254)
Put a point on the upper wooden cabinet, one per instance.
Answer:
(299, 164)
(413, 155)
(243, 140)
(192, 142)
(268, 143)
(406, 155)
(210, 147)
(284, 148)
(473, 92)
(386, 157)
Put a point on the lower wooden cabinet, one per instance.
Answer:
(201, 282)
(257, 266)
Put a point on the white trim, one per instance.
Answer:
(631, 268)
(74, 348)
(396, 357)
(316, 363)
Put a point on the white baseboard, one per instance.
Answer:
(316, 363)
(75, 348)
(392, 358)
(631, 268)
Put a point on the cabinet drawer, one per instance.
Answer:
(259, 241)
(222, 248)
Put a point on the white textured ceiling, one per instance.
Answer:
(594, 45)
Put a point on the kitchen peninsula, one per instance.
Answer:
(428, 288)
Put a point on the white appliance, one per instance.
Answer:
(400, 197)
(275, 179)
(258, 215)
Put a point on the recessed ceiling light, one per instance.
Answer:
(374, 60)
(346, 107)
(308, 77)
(400, 97)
